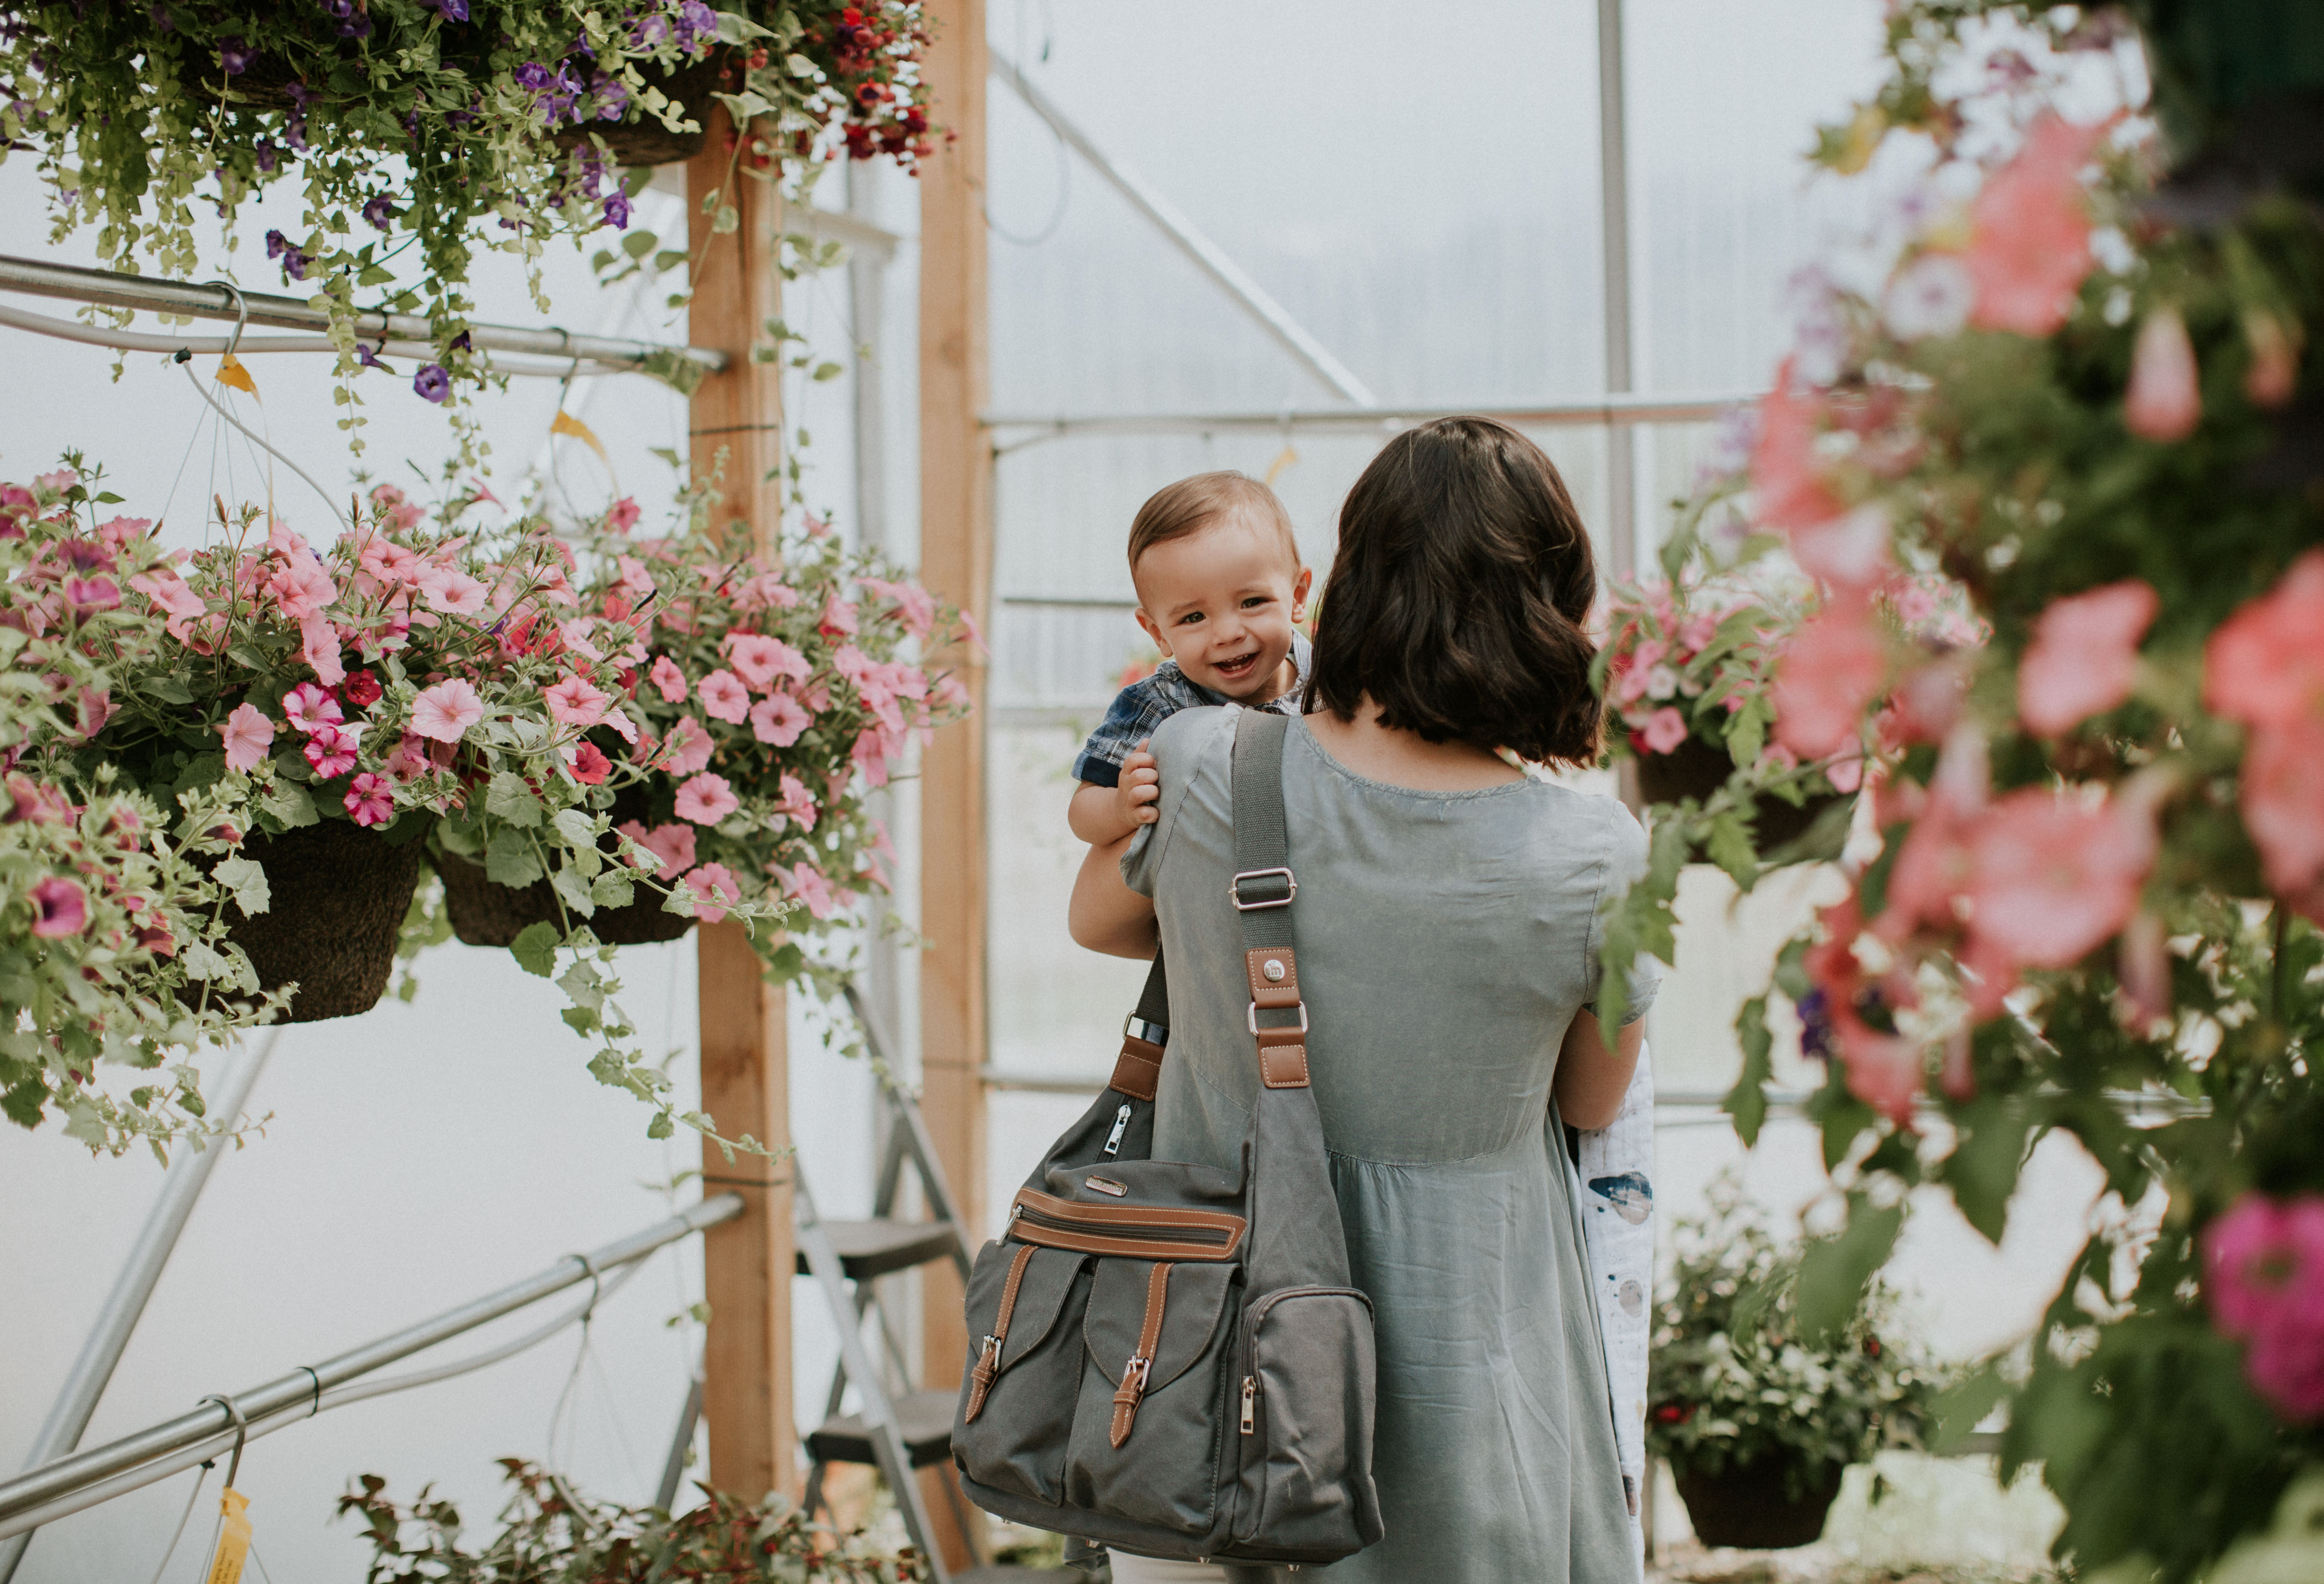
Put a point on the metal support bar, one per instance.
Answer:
(112, 289)
(1616, 408)
(182, 1188)
(1614, 233)
(673, 1470)
(70, 1484)
(1208, 256)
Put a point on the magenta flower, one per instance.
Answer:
(670, 846)
(759, 660)
(446, 711)
(668, 680)
(2263, 1274)
(2084, 657)
(371, 799)
(725, 699)
(332, 750)
(688, 747)
(309, 708)
(248, 733)
(714, 885)
(706, 799)
(60, 907)
(574, 702)
(778, 720)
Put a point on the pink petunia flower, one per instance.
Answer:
(60, 907)
(668, 681)
(838, 619)
(2055, 876)
(874, 748)
(714, 884)
(2283, 807)
(778, 719)
(394, 566)
(1664, 731)
(765, 592)
(446, 711)
(759, 660)
(34, 802)
(687, 748)
(319, 645)
(94, 709)
(409, 759)
(622, 515)
(2165, 400)
(178, 603)
(806, 883)
(92, 593)
(575, 703)
(371, 799)
(2084, 657)
(723, 698)
(331, 751)
(248, 733)
(2263, 1276)
(798, 802)
(590, 767)
(1787, 486)
(450, 590)
(308, 708)
(914, 604)
(706, 799)
(1828, 677)
(623, 726)
(2264, 666)
(670, 847)
(2030, 233)
(302, 588)
(635, 580)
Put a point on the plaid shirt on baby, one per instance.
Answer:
(1141, 707)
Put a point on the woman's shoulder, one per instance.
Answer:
(1590, 819)
(1180, 743)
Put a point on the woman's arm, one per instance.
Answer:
(1591, 1078)
(1106, 916)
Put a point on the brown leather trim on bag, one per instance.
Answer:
(1280, 992)
(1133, 1231)
(1138, 1068)
(988, 1359)
(1283, 1058)
(1133, 1374)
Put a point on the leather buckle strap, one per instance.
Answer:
(1134, 1373)
(988, 1357)
(1274, 974)
(1137, 1069)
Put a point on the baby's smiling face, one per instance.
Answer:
(1221, 602)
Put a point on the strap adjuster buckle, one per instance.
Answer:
(1250, 1017)
(1135, 1027)
(1234, 889)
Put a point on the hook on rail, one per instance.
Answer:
(241, 1434)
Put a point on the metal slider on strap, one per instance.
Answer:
(1234, 889)
(1250, 1016)
(1135, 1027)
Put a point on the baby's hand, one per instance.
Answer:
(1140, 788)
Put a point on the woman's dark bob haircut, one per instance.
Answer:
(1458, 595)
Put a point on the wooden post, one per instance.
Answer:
(957, 564)
(748, 1262)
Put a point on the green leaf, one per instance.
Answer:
(638, 244)
(574, 890)
(1746, 1102)
(1833, 1271)
(509, 799)
(1729, 846)
(578, 829)
(613, 888)
(826, 371)
(1982, 1170)
(290, 804)
(511, 861)
(535, 949)
(169, 690)
(1960, 1407)
(583, 985)
(245, 879)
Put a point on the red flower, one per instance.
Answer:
(362, 690)
(590, 767)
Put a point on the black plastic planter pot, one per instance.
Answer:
(485, 913)
(1696, 769)
(1749, 1506)
(339, 895)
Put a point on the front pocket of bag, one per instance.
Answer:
(1165, 1471)
(1018, 1439)
(1304, 1423)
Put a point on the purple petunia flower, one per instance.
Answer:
(295, 262)
(161, 18)
(697, 27)
(532, 77)
(617, 211)
(370, 359)
(267, 155)
(611, 94)
(450, 10)
(432, 384)
(378, 211)
(461, 343)
(235, 54)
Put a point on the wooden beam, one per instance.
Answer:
(955, 564)
(748, 1262)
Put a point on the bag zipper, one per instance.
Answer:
(1120, 1127)
(1249, 1403)
(1251, 1340)
(1205, 1237)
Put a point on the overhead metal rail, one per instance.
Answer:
(1596, 411)
(68, 1484)
(547, 351)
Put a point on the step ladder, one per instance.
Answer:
(897, 1432)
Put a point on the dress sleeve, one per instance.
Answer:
(1178, 748)
(1626, 862)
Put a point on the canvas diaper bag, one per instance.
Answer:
(1170, 1358)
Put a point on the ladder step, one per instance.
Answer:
(874, 1248)
(924, 1417)
(1011, 1575)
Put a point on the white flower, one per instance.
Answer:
(1662, 682)
(1931, 296)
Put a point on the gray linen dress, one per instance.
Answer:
(1445, 941)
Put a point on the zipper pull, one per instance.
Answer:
(1250, 1404)
(1120, 1127)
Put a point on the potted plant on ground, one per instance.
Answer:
(1758, 1414)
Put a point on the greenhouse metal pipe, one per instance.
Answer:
(216, 299)
(32, 1497)
(181, 1187)
(1614, 237)
(1208, 256)
(1614, 408)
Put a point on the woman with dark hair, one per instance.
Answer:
(1448, 930)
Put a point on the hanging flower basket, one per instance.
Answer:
(641, 140)
(339, 895)
(1751, 1507)
(1696, 769)
(485, 913)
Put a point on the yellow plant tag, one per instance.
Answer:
(234, 1538)
(1284, 461)
(230, 372)
(566, 424)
